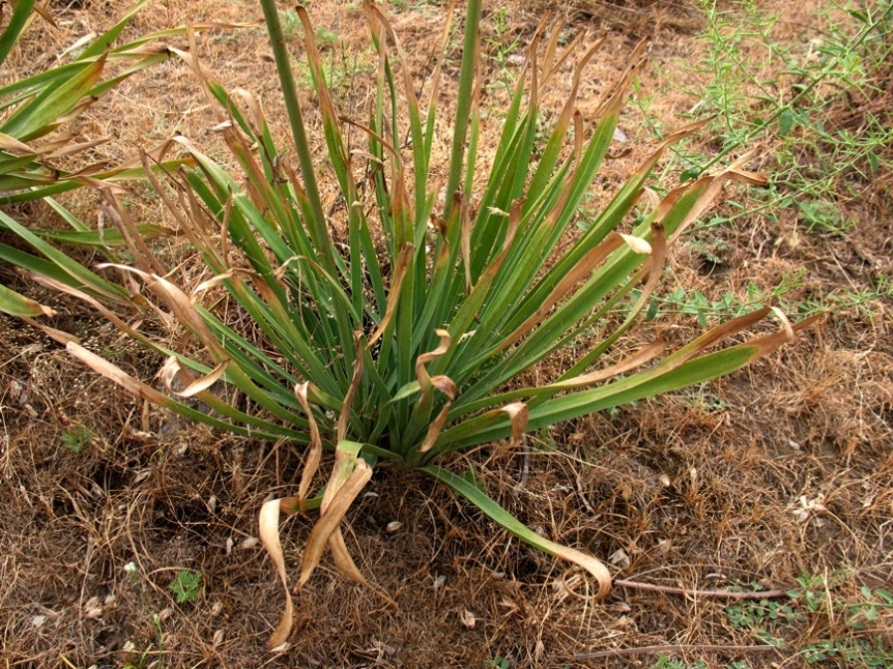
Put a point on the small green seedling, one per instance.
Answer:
(187, 586)
(77, 439)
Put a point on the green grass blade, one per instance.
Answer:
(15, 304)
(102, 43)
(20, 15)
(467, 73)
(81, 276)
(42, 115)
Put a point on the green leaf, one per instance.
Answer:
(97, 238)
(77, 439)
(14, 304)
(785, 121)
(105, 41)
(873, 161)
(75, 271)
(506, 520)
(20, 15)
(46, 111)
(690, 174)
(186, 586)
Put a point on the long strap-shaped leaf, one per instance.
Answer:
(14, 28)
(14, 304)
(41, 116)
(665, 377)
(506, 520)
(470, 53)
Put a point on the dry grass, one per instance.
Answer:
(705, 489)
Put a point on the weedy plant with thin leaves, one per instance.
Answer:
(395, 326)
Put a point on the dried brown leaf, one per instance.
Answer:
(331, 517)
(403, 260)
(314, 452)
(269, 536)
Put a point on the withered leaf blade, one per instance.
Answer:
(331, 518)
(420, 370)
(403, 261)
(314, 453)
(517, 412)
(356, 380)
(637, 244)
(118, 375)
(269, 536)
(595, 257)
(204, 383)
(435, 428)
(639, 358)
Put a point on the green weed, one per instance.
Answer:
(77, 439)
(667, 662)
(186, 586)
(818, 598)
(502, 50)
(497, 663)
(795, 100)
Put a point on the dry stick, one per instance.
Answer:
(617, 652)
(704, 594)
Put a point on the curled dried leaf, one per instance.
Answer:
(331, 517)
(314, 453)
(204, 383)
(172, 369)
(269, 536)
(430, 356)
(435, 428)
(517, 412)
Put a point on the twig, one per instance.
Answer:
(703, 594)
(672, 647)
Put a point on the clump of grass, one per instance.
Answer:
(394, 325)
